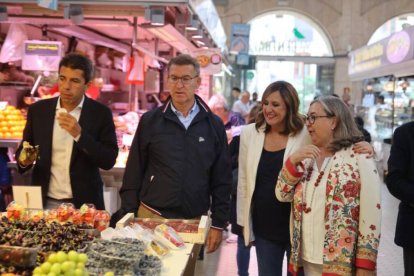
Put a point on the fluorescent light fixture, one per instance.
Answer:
(192, 24)
(199, 42)
(172, 36)
(3, 13)
(156, 15)
(93, 38)
(199, 34)
(74, 13)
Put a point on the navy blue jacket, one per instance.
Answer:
(400, 182)
(180, 173)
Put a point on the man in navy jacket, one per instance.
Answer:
(179, 164)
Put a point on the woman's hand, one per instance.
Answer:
(364, 148)
(309, 151)
(365, 272)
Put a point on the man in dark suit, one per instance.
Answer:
(76, 137)
(400, 182)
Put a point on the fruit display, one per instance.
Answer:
(168, 236)
(65, 212)
(15, 211)
(119, 256)
(18, 256)
(102, 219)
(12, 123)
(41, 236)
(87, 213)
(62, 263)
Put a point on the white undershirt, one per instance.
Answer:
(62, 145)
(313, 223)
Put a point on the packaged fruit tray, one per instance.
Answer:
(18, 256)
(191, 231)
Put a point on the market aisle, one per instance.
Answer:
(390, 260)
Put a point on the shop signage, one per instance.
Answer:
(281, 48)
(210, 60)
(240, 34)
(394, 49)
(48, 4)
(41, 55)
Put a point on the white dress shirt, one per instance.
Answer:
(62, 145)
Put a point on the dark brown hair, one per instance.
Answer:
(294, 121)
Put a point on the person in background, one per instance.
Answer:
(243, 251)
(235, 95)
(360, 124)
(76, 138)
(253, 102)
(232, 120)
(346, 97)
(5, 177)
(400, 183)
(242, 105)
(264, 147)
(179, 165)
(335, 195)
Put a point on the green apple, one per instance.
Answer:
(56, 268)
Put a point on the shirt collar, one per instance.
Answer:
(79, 106)
(179, 112)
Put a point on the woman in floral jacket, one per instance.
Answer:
(335, 220)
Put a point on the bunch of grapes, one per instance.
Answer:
(61, 263)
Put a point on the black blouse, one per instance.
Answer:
(270, 216)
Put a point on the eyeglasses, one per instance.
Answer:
(312, 118)
(184, 80)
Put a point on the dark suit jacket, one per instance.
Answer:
(96, 148)
(400, 182)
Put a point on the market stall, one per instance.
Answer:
(130, 43)
(43, 241)
(386, 69)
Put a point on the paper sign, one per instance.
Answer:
(28, 196)
(41, 55)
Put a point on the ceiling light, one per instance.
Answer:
(172, 36)
(74, 13)
(156, 15)
(192, 24)
(199, 34)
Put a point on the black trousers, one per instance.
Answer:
(408, 261)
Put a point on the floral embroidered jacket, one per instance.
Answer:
(352, 212)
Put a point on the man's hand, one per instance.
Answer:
(28, 154)
(214, 238)
(364, 148)
(364, 272)
(69, 123)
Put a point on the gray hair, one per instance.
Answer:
(185, 59)
(218, 100)
(346, 132)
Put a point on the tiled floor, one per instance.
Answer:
(223, 262)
